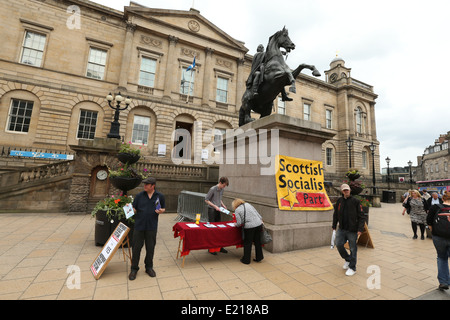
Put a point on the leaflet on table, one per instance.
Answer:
(222, 209)
(192, 225)
(129, 211)
(208, 225)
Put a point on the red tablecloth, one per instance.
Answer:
(207, 238)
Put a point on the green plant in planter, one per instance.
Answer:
(113, 207)
(129, 171)
(128, 148)
(364, 201)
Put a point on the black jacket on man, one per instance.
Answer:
(348, 212)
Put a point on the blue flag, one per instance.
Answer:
(192, 66)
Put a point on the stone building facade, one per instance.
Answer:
(434, 163)
(61, 58)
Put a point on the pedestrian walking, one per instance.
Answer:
(350, 216)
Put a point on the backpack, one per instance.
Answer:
(441, 222)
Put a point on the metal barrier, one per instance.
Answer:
(190, 204)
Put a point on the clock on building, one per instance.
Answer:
(102, 175)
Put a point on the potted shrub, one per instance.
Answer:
(127, 154)
(127, 177)
(108, 213)
(365, 203)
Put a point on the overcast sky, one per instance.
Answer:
(402, 48)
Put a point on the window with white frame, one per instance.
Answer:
(87, 124)
(364, 159)
(33, 48)
(19, 117)
(329, 156)
(281, 106)
(328, 119)
(187, 82)
(222, 90)
(141, 129)
(307, 111)
(147, 72)
(359, 120)
(96, 63)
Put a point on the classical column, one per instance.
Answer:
(170, 66)
(240, 83)
(126, 56)
(207, 76)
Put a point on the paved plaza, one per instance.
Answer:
(36, 251)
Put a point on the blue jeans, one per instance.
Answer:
(341, 238)
(442, 246)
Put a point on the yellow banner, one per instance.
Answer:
(300, 185)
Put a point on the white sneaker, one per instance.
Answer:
(345, 266)
(350, 272)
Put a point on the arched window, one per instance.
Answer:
(359, 120)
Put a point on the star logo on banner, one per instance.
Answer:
(291, 197)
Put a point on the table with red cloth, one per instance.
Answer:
(203, 237)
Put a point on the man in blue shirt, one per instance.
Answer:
(148, 205)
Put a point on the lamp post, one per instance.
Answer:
(372, 149)
(114, 132)
(349, 143)
(410, 173)
(388, 160)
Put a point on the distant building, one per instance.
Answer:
(434, 163)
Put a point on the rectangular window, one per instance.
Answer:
(147, 72)
(281, 107)
(222, 90)
(87, 125)
(364, 159)
(307, 111)
(19, 117)
(33, 49)
(329, 119)
(329, 155)
(187, 82)
(96, 64)
(141, 128)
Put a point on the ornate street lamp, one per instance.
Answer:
(372, 149)
(349, 143)
(410, 173)
(388, 160)
(114, 132)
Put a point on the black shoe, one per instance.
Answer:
(422, 237)
(213, 253)
(223, 250)
(151, 272)
(443, 287)
(415, 237)
(242, 260)
(132, 275)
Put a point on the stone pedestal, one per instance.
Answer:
(249, 165)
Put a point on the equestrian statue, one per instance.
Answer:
(268, 77)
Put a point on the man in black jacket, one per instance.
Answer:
(348, 212)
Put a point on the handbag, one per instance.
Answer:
(265, 235)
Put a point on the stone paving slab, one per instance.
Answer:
(36, 251)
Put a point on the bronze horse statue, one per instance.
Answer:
(275, 75)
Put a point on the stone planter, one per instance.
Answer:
(124, 183)
(128, 158)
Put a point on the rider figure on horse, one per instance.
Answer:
(257, 74)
